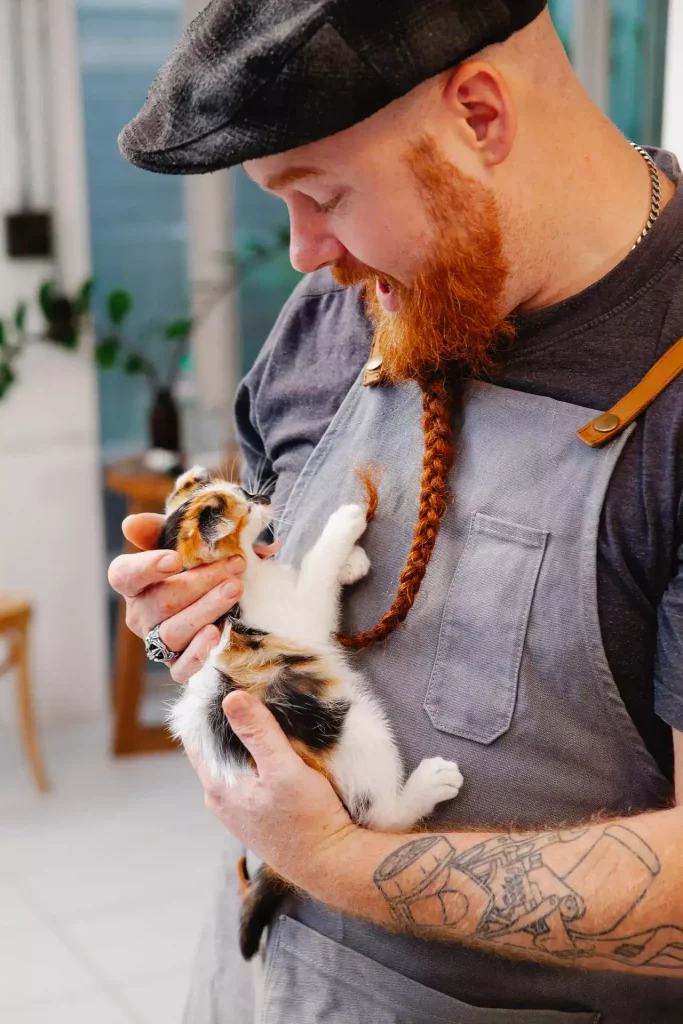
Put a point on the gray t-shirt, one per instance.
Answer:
(589, 350)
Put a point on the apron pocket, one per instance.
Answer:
(473, 686)
(312, 980)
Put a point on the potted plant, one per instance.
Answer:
(114, 350)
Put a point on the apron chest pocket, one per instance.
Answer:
(473, 686)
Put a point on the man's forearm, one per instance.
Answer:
(607, 896)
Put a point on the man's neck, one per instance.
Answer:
(598, 206)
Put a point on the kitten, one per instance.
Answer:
(281, 647)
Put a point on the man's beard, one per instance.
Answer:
(451, 314)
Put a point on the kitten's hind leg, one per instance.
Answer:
(369, 774)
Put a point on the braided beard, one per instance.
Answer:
(449, 316)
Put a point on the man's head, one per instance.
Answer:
(424, 203)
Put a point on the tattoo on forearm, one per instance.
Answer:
(533, 893)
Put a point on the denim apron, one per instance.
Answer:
(499, 666)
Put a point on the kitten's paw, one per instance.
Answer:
(437, 780)
(355, 568)
(348, 521)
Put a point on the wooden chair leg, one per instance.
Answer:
(27, 723)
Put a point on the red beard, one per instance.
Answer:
(452, 312)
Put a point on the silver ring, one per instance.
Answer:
(156, 649)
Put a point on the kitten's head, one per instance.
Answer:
(208, 518)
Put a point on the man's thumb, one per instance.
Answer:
(253, 723)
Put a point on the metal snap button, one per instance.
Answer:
(606, 423)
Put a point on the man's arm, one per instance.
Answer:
(607, 896)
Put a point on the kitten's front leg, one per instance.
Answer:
(322, 568)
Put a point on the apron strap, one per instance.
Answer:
(607, 426)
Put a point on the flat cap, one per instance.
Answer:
(250, 78)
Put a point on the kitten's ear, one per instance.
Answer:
(187, 483)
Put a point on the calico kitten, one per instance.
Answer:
(282, 648)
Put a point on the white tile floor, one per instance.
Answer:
(104, 883)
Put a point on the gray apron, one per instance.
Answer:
(499, 666)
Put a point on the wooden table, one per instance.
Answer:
(145, 491)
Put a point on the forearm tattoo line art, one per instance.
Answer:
(534, 893)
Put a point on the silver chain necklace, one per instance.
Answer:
(656, 205)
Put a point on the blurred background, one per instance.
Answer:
(130, 305)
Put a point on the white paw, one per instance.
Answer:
(437, 780)
(349, 521)
(355, 568)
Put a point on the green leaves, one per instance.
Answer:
(106, 352)
(83, 301)
(20, 317)
(177, 329)
(7, 378)
(119, 305)
(46, 299)
(138, 364)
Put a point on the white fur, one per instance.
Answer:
(304, 607)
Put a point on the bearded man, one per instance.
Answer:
(522, 265)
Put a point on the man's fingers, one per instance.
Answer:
(143, 530)
(262, 736)
(178, 631)
(159, 595)
(131, 574)
(195, 655)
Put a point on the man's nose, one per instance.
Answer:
(311, 248)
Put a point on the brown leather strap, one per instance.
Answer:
(611, 423)
(374, 371)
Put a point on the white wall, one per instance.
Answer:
(672, 128)
(51, 543)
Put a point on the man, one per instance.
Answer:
(522, 263)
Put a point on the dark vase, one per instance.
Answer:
(164, 422)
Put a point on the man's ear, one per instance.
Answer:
(478, 95)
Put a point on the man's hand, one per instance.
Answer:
(288, 813)
(186, 604)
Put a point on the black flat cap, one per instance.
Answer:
(254, 77)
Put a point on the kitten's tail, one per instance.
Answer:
(261, 898)
(369, 478)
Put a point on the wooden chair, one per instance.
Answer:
(15, 617)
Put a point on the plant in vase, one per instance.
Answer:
(162, 365)
(113, 350)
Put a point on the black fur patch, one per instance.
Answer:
(303, 716)
(209, 518)
(168, 539)
(229, 747)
